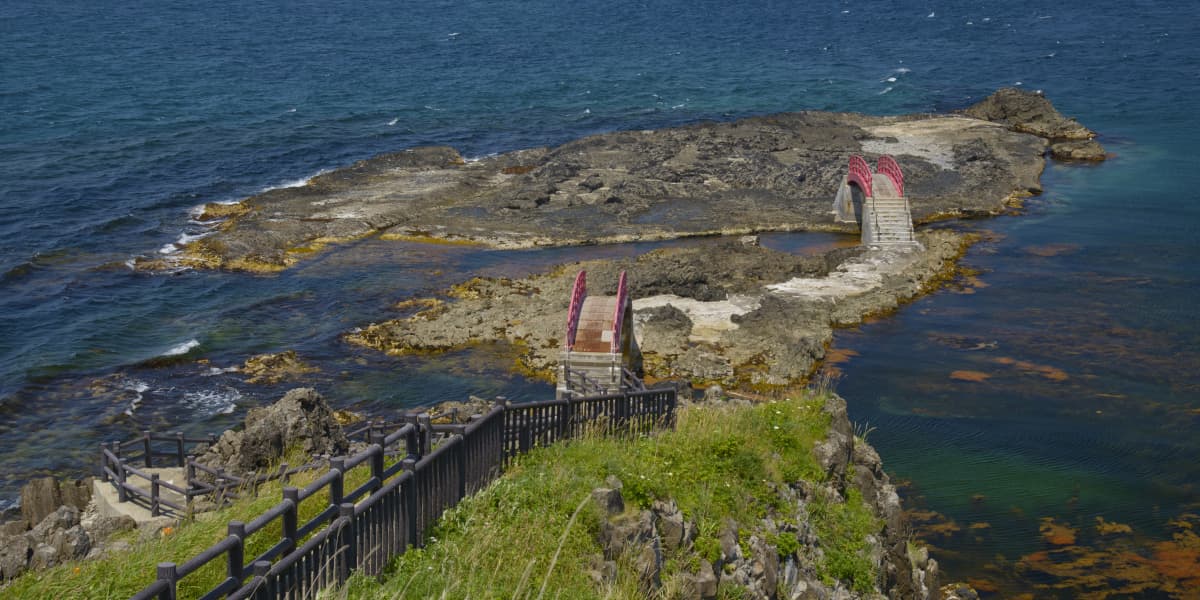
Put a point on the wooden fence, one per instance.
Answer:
(363, 529)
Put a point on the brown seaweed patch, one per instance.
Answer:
(1046, 371)
(217, 210)
(1056, 533)
(518, 169)
(932, 524)
(1048, 250)
(425, 308)
(837, 356)
(1109, 527)
(273, 368)
(1122, 567)
(973, 376)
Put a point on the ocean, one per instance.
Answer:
(1054, 389)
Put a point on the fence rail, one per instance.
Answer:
(366, 527)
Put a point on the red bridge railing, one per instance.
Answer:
(888, 166)
(860, 174)
(577, 296)
(618, 317)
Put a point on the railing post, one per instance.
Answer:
(564, 420)
(377, 466)
(154, 508)
(523, 433)
(103, 462)
(167, 572)
(349, 542)
(460, 459)
(146, 443)
(410, 503)
(411, 444)
(261, 569)
(336, 488)
(626, 404)
(291, 518)
(179, 447)
(237, 553)
(426, 433)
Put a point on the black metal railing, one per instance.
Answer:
(366, 527)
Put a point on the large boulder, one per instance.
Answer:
(300, 421)
(15, 552)
(42, 496)
(1028, 112)
(1085, 150)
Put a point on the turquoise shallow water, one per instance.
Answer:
(120, 117)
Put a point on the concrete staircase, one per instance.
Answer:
(887, 221)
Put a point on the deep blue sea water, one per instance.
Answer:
(117, 118)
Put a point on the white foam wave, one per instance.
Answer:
(183, 348)
(931, 15)
(393, 121)
(184, 239)
(137, 387)
(902, 70)
(197, 210)
(472, 159)
(885, 90)
(219, 371)
(212, 402)
(293, 183)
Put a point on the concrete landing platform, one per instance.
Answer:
(107, 504)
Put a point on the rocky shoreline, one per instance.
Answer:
(770, 173)
(733, 313)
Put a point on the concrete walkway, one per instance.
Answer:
(107, 504)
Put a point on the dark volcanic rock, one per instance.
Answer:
(770, 173)
(1029, 112)
(41, 497)
(301, 420)
(1088, 150)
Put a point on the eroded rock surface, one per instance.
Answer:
(751, 557)
(726, 312)
(301, 420)
(770, 173)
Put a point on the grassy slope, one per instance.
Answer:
(518, 538)
(121, 574)
(720, 462)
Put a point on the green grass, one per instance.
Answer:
(518, 538)
(119, 575)
(532, 533)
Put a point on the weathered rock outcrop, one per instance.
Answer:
(42, 496)
(1031, 112)
(273, 368)
(1087, 150)
(1028, 112)
(750, 556)
(57, 526)
(769, 173)
(300, 421)
(726, 313)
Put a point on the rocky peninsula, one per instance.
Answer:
(769, 173)
(734, 313)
